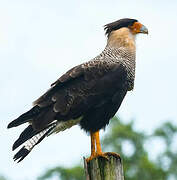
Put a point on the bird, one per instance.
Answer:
(88, 95)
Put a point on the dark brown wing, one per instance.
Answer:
(71, 74)
(92, 70)
(82, 87)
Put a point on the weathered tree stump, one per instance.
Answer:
(104, 169)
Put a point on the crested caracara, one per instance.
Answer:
(87, 95)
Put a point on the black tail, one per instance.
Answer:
(31, 138)
(28, 133)
(26, 117)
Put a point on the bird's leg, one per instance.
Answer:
(93, 144)
(98, 146)
(93, 152)
(95, 139)
(99, 151)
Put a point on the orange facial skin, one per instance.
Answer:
(135, 28)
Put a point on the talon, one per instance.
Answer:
(97, 152)
(91, 157)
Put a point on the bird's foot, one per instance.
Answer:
(95, 155)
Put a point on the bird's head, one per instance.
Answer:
(133, 25)
(123, 32)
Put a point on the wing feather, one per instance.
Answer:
(79, 89)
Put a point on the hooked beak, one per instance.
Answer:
(144, 30)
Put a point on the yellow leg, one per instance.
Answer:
(92, 143)
(98, 144)
(95, 139)
(93, 152)
(99, 151)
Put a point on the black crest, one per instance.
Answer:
(118, 24)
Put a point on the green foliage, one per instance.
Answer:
(168, 133)
(74, 173)
(137, 163)
(2, 178)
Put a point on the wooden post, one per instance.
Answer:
(104, 169)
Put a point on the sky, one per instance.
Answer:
(40, 40)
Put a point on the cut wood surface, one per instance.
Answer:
(104, 169)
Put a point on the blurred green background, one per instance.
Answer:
(132, 147)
